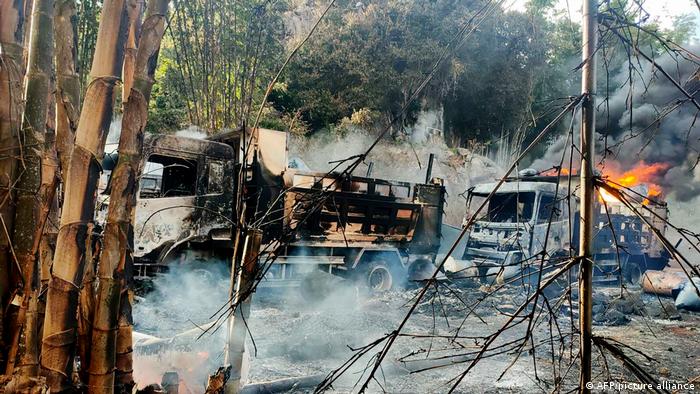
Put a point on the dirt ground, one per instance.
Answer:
(314, 340)
(293, 337)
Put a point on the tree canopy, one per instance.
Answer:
(367, 59)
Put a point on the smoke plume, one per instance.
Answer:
(648, 122)
(170, 319)
(401, 161)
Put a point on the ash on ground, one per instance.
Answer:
(295, 337)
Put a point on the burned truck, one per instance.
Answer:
(531, 213)
(377, 231)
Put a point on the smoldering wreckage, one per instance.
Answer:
(256, 274)
(329, 247)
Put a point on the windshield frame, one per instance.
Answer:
(474, 200)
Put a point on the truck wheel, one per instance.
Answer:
(420, 270)
(380, 277)
(632, 272)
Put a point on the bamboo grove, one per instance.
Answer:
(65, 292)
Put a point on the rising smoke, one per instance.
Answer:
(646, 121)
(295, 332)
(169, 320)
(403, 161)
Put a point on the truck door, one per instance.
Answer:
(165, 203)
(215, 197)
(556, 232)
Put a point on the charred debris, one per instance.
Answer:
(542, 256)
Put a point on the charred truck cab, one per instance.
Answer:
(183, 209)
(531, 213)
(374, 230)
(512, 228)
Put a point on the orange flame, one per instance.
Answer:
(555, 172)
(642, 173)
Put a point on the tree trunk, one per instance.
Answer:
(25, 237)
(67, 80)
(29, 363)
(116, 257)
(82, 177)
(11, 52)
(135, 9)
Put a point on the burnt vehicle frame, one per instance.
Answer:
(377, 230)
(624, 246)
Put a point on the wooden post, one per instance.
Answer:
(241, 299)
(588, 88)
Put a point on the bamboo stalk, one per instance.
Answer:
(135, 9)
(46, 203)
(111, 335)
(86, 309)
(11, 26)
(25, 238)
(124, 363)
(59, 339)
(67, 80)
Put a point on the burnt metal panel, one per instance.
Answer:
(354, 209)
(428, 231)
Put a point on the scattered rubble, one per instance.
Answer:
(217, 382)
(296, 340)
(688, 297)
(663, 282)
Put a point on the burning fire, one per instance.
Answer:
(642, 173)
(556, 172)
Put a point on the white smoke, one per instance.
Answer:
(115, 129)
(402, 161)
(295, 332)
(192, 132)
(181, 301)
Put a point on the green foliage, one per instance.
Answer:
(165, 114)
(501, 69)
(684, 29)
(218, 58)
(367, 59)
(167, 110)
(370, 56)
(373, 57)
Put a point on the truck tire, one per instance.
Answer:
(632, 272)
(420, 270)
(380, 277)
